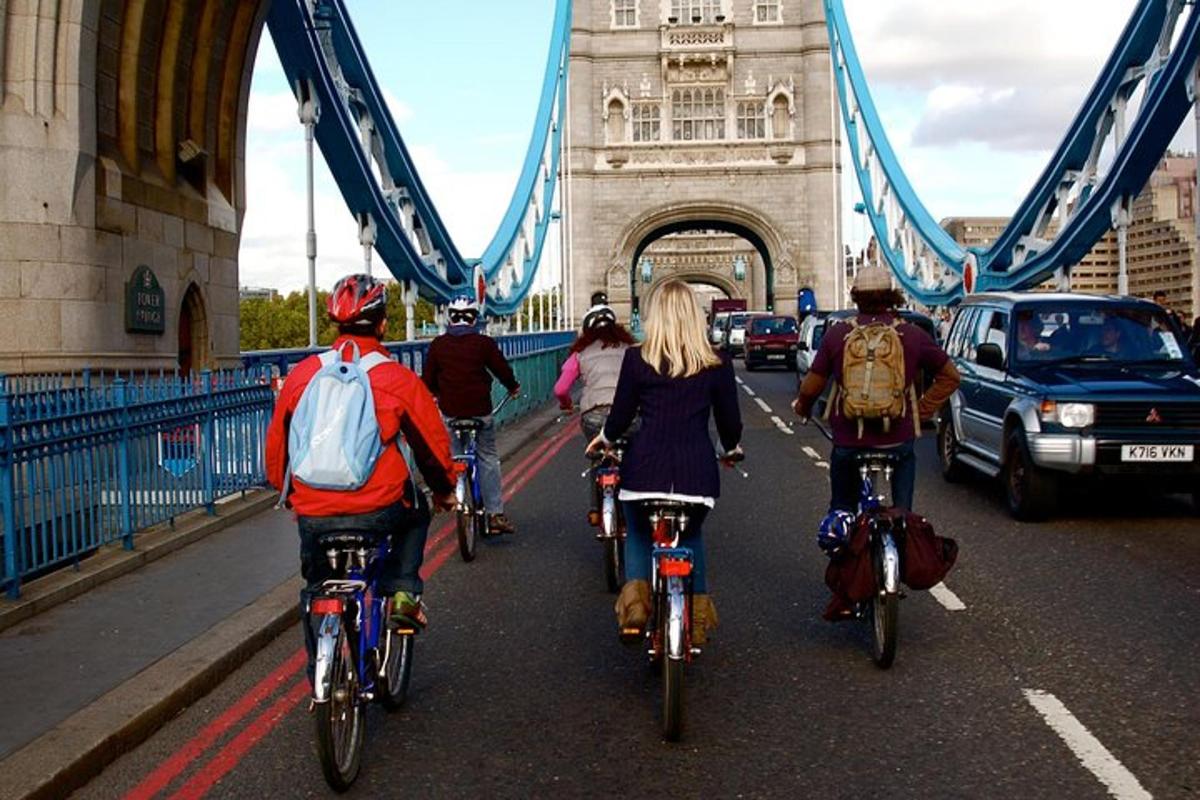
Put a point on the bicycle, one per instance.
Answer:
(609, 518)
(471, 522)
(359, 657)
(669, 629)
(875, 468)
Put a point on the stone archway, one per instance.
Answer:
(773, 268)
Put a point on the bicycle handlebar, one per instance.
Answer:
(503, 403)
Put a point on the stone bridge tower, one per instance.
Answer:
(703, 116)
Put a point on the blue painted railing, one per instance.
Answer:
(89, 459)
(536, 359)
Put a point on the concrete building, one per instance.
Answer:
(121, 150)
(1161, 253)
(702, 115)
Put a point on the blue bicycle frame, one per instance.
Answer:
(469, 479)
(354, 601)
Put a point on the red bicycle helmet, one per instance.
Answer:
(358, 300)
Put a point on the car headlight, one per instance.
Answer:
(1069, 415)
(794, 347)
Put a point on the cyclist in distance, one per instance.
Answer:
(676, 381)
(459, 370)
(595, 357)
(388, 502)
(853, 434)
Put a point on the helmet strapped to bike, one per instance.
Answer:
(463, 310)
(834, 532)
(599, 317)
(358, 301)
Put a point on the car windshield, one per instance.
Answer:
(1102, 334)
(773, 326)
(738, 320)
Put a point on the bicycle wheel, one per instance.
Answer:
(397, 670)
(340, 721)
(672, 699)
(467, 530)
(614, 567)
(885, 617)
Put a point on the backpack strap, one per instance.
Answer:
(372, 360)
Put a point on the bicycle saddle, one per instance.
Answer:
(466, 424)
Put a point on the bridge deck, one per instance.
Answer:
(521, 688)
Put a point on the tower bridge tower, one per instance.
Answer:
(691, 116)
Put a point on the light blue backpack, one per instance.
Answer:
(333, 440)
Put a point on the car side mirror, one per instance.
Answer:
(989, 355)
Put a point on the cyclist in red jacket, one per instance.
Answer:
(388, 502)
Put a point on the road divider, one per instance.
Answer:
(1094, 756)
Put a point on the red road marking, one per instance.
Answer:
(232, 753)
(168, 770)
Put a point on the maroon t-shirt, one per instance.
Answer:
(921, 353)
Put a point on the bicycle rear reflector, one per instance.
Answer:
(612, 479)
(327, 605)
(674, 567)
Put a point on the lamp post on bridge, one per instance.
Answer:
(310, 114)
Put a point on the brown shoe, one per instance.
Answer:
(500, 523)
(704, 618)
(633, 609)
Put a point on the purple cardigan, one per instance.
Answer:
(672, 451)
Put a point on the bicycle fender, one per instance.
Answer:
(326, 642)
(891, 565)
(609, 515)
(676, 625)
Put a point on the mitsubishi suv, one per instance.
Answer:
(1069, 387)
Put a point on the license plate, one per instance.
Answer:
(1158, 452)
(777, 356)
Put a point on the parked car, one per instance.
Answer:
(772, 342)
(735, 331)
(1060, 387)
(812, 330)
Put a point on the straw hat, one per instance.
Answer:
(873, 279)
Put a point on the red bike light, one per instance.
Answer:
(327, 605)
(675, 567)
(609, 480)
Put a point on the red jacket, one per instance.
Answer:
(403, 405)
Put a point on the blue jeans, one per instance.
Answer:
(846, 483)
(487, 461)
(639, 540)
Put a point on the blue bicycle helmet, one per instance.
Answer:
(834, 532)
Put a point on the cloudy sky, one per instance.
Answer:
(975, 96)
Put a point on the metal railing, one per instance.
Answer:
(88, 459)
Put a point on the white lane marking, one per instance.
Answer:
(813, 454)
(1087, 748)
(823, 464)
(739, 380)
(783, 426)
(763, 405)
(947, 598)
(749, 391)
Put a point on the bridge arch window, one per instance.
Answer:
(624, 13)
(647, 122)
(696, 12)
(767, 11)
(751, 119)
(698, 114)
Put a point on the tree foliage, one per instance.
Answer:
(282, 322)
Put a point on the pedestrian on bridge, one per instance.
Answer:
(459, 370)
(387, 503)
(675, 381)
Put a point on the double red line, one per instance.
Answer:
(438, 550)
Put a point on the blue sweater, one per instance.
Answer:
(673, 452)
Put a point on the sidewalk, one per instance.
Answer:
(162, 625)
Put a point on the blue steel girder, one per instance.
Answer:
(1077, 192)
(320, 52)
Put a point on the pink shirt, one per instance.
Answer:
(566, 379)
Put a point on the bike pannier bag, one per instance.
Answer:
(926, 558)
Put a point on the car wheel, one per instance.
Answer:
(1028, 489)
(953, 470)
